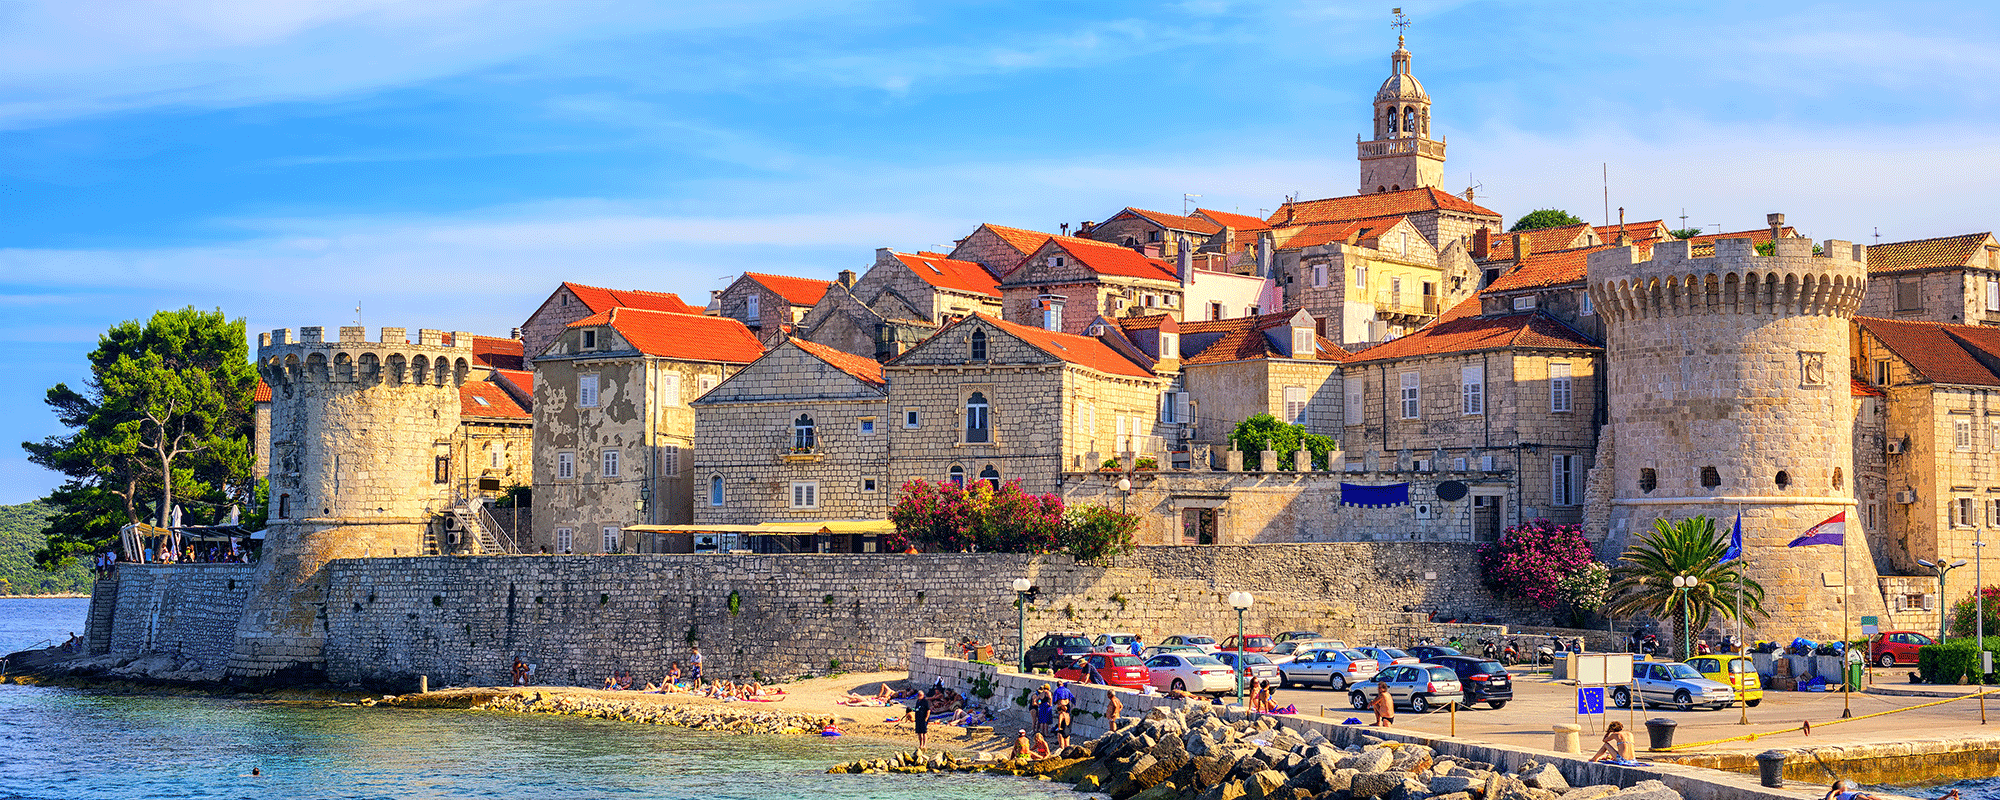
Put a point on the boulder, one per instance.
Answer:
(1590, 793)
(1248, 766)
(1120, 784)
(1164, 790)
(1310, 778)
(1545, 776)
(1161, 769)
(1341, 780)
(1369, 785)
(1412, 758)
(1453, 796)
(1232, 790)
(1368, 761)
(1210, 770)
(1264, 785)
(1445, 784)
(1645, 790)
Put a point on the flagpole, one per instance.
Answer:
(1847, 632)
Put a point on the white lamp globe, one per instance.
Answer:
(1022, 584)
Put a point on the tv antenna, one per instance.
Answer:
(1878, 234)
(357, 310)
(1184, 202)
(1473, 187)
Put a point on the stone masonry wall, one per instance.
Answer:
(188, 611)
(578, 618)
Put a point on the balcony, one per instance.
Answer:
(1405, 306)
(1401, 147)
(801, 455)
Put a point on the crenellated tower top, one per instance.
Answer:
(436, 358)
(1628, 283)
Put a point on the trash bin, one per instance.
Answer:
(1854, 672)
(1661, 729)
(1771, 768)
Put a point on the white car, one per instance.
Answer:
(1121, 642)
(1190, 672)
(1284, 652)
(1206, 643)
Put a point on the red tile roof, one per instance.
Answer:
(1861, 389)
(1114, 260)
(522, 380)
(1145, 323)
(688, 337)
(486, 399)
(263, 394)
(1933, 351)
(1944, 251)
(941, 271)
(1379, 204)
(797, 291)
(1027, 242)
(1639, 231)
(496, 352)
(1461, 330)
(1176, 222)
(601, 299)
(1243, 223)
(1365, 232)
(1244, 338)
(866, 370)
(1082, 351)
(1542, 270)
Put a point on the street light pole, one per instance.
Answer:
(1124, 492)
(1682, 585)
(1021, 587)
(1942, 570)
(1241, 602)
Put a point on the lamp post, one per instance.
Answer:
(1021, 587)
(1941, 569)
(1124, 493)
(1241, 602)
(1682, 585)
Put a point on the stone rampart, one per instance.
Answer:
(188, 611)
(578, 618)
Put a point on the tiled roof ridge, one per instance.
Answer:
(1086, 255)
(744, 350)
(1951, 237)
(796, 290)
(1438, 201)
(866, 370)
(1231, 219)
(1178, 222)
(1028, 333)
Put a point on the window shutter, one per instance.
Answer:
(670, 390)
(1472, 387)
(1560, 396)
(1182, 413)
(1167, 408)
(1295, 405)
(1355, 388)
(1930, 602)
(1993, 295)
(586, 391)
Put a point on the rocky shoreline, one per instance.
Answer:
(725, 718)
(1195, 754)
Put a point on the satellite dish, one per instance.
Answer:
(1451, 490)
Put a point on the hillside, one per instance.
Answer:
(20, 537)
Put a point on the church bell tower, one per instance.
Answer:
(1402, 155)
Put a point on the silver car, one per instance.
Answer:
(1335, 669)
(1284, 651)
(1421, 687)
(1261, 668)
(1675, 684)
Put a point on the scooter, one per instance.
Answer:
(1491, 648)
(1511, 654)
(1546, 654)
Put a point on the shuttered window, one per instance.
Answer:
(1295, 404)
(1411, 408)
(1560, 397)
(586, 391)
(1563, 481)
(1472, 389)
(1357, 401)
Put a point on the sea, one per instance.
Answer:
(72, 744)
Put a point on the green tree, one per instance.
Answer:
(1684, 233)
(1643, 581)
(1265, 432)
(164, 418)
(1545, 218)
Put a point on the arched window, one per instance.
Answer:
(991, 476)
(978, 421)
(715, 490)
(1648, 479)
(284, 506)
(802, 434)
(957, 476)
(979, 345)
(1410, 119)
(1131, 242)
(1389, 122)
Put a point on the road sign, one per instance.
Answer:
(1870, 626)
(1590, 700)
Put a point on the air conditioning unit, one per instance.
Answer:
(1896, 447)
(1095, 329)
(1906, 497)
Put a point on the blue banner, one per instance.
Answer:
(1354, 494)
(1590, 700)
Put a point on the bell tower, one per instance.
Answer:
(1402, 154)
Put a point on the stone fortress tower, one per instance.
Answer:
(360, 437)
(1728, 384)
(1402, 154)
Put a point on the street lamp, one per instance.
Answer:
(1241, 602)
(1021, 587)
(1684, 584)
(1125, 493)
(1942, 568)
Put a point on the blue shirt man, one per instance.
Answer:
(1062, 693)
(1135, 645)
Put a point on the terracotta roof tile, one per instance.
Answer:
(688, 337)
(1460, 330)
(1931, 350)
(522, 380)
(1114, 260)
(1542, 270)
(1860, 388)
(1177, 222)
(263, 394)
(600, 299)
(1365, 232)
(487, 399)
(1082, 351)
(1639, 231)
(1027, 242)
(1243, 339)
(496, 352)
(941, 271)
(1944, 251)
(797, 291)
(866, 370)
(1379, 204)
(1145, 323)
(1243, 223)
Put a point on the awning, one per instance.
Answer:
(795, 527)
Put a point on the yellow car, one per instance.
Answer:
(1737, 672)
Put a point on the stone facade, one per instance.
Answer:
(1229, 392)
(1287, 506)
(1402, 154)
(890, 308)
(1087, 293)
(759, 303)
(188, 611)
(753, 461)
(1368, 291)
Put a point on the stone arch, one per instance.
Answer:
(292, 367)
(316, 367)
(420, 370)
(1732, 289)
(1648, 480)
(1788, 297)
(1711, 291)
(395, 370)
(343, 367)
(368, 368)
(459, 368)
(1389, 121)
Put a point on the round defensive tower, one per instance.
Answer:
(357, 431)
(1728, 392)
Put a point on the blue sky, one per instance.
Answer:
(444, 163)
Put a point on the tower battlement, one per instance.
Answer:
(436, 358)
(1672, 281)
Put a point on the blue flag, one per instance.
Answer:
(1735, 550)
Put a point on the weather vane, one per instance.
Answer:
(1401, 23)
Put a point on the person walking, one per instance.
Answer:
(1384, 706)
(694, 665)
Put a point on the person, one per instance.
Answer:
(1137, 646)
(1021, 745)
(520, 672)
(1062, 694)
(1114, 711)
(256, 773)
(1617, 744)
(1062, 724)
(1045, 711)
(922, 711)
(1041, 746)
(694, 664)
(1090, 673)
(1384, 706)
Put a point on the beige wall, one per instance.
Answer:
(744, 434)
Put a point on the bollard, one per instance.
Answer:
(1567, 740)
(423, 684)
(1771, 768)
(1661, 730)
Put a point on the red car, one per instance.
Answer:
(1252, 643)
(1123, 670)
(1896, 647)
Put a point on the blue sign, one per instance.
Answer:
(1590, 700)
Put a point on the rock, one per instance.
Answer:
(1209, 770)
(1264, 785)
(1368, 761)
(1368, 785)
(1197, 743)
(1090, 782)
(1645, 790)
(1412, 758)
(1449, 784)
(1165, 790)
(1545, 776)
(1453, 796)
(1311, 779)
(1590, 793)
(1291, 763)
(1120, 783)
(1232, 790)
(1341, 780)
(1248, 766)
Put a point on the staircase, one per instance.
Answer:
(476, 530)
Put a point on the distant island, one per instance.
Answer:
(20, 536)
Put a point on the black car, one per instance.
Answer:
(1054, 651)
(1485, 681)
(1430, 651)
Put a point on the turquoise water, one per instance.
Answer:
(63, 743)
(39, 622)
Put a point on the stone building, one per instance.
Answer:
(771, 306)
(574, 301)
(1950, 279)
(614, 424)
(1066, 284)
(901, 300)
(802, 433)
(1402, 154)
(1369, 279)
(1440, 216)
(1274, 364)
(1157, 233)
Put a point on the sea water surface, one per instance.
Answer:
(68, 743)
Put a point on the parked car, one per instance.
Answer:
(1421, 687)
(1127, 671)
(1121, 642)
(1430, 652)
(1896, 647)
(1057, 649)
(1483, 680)
(1206, 643)
(1289, 636)
(1285, 650)
(1261, 668)
(1739, 672)
(1162, 649)
(1387, 657)
(1192, 672)
(1673, 683)
(1332, 668)
(1252, 643)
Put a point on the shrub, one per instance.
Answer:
(1265, 432)
(1530, 561)
(1962, 614)
(1946, 663)
(945, 518)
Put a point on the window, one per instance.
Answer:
(1396, 289)
(1963, 507)
(715, 490)
(670, 459)
(1361, 276)
(1148, 300)
(1961, 434)
(1174, 408)
(706, 382)
(496, 454)
(586, 391)
(1472, 389)
(802, 434)
(1319, 274)
(1170, 345)
(805, 494)
(979, 345)
(441, 469)
(610, 533)
(1882, 372)
(1355, 389)
(1052, 315)
(670, 389)
(1410, 407)
(1560, 396)
(1155, 236)
(610, 464)
(752, 308)
(1524, 303)
(1562, 491)
(1296, 404)
(956, 476)
(978, 422)
(1215, 311)
(991, 476)
(1992, 295)
(1908, 296)
(1406, 242)
(1583, 303)
(1784, 479)
(284, 506)
(565, 540)
(867, 426)
(1710, 478)
(565, 464)
(909, 418)
(1302, 343)
(1648, 479)
(1993, 434)
(590, 338)
(867, 484)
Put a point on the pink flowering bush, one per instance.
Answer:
(1530, 561)
(946, 518)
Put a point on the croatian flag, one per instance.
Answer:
(1735, 550)
(1832, 531)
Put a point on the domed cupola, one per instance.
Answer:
(1401, 85)
(1402, 107)
(1401, 154)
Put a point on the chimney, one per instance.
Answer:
(847, 278)
(1084, 228)
(1777, 222)
(1065, 228)
(1482, 243)
(1290, 213)
(1520, 246)
(1183, 258)
(514, 333)
(1264, 255)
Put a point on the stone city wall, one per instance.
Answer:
(578, 618)
(188, 611)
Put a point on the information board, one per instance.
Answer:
(1603, 669)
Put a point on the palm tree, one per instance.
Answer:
(1643, 581)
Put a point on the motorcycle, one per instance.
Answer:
(1510, 654)
(1490, 647)
(1546, 654)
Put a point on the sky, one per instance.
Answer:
(445, 163)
